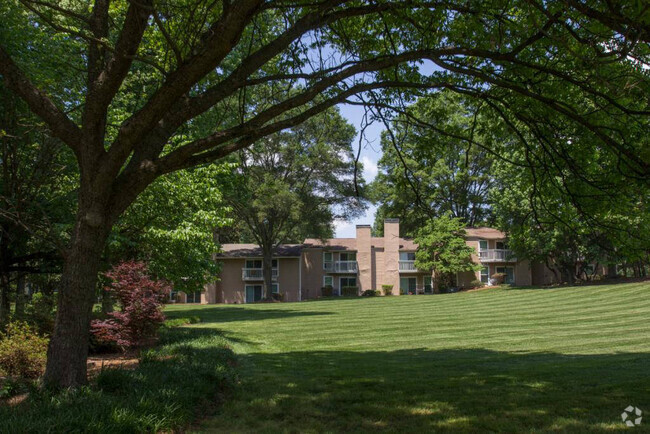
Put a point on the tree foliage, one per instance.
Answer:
(427, 169)
(293, 184)
(442, 249)
(140, 299)
(171, 227)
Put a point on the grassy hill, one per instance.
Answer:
(566, 359)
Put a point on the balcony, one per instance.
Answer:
(341, 266)
(256, 273)
(407, 266)
(496, 255)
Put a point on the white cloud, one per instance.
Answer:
(370, 169)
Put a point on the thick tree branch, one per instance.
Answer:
(60, 125)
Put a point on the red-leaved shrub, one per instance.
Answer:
(140, 300)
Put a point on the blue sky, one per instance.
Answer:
(370, 154)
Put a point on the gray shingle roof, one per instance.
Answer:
(253, 250)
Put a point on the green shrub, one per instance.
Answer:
(40, 312)
(174, 384)
(371, 293)
(499, 277)
(23, 352)
(388, 289)
(178, 322)
(327, 291)
(476, 284)
(350, 291)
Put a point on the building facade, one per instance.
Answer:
(366, 262)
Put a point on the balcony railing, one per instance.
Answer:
(407, 266)
(341, 266)
(496, 255)
(257, 273)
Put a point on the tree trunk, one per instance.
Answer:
(267, 269)
(611, 271)
(19, 311)
(68, 349)
(4, 299)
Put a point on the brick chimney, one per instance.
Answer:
(364, 257)
(391, 254)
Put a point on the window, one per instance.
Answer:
(274, 263)
(253, 263)
(485, 274)
(348, 256)
(275, 288)
(328, 281)
(407, 285)
(348, 281)
(253, 293)
(407, 256)
(327, 260)
(194, 297)
(428, 287)
(482, 245)
(502, 245)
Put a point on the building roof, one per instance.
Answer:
(339, 244)
(253, 250)
(485, 233)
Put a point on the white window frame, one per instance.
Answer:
(487, 245)
(277, 288)
(485, 268)
(325, 281)
(331, 255)
(424, 283)
(347, 277)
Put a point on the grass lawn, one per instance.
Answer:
(175, 383)
(566, 359)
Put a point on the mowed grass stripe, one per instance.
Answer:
(564, 359)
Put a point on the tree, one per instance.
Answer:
(166, 86)
(37, 184)
(141, 301)
(425, 172)
(566, 222)
(171, 227)
(293, 184)
(442, 249)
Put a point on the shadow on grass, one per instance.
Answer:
(183, 378)
(220, 314)
(419, 390)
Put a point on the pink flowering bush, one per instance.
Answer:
(140, 300)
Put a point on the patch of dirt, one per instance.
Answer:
(126, 360)
(15, 400)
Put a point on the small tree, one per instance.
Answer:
(442, 248)
(140, 299)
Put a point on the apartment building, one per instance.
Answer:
(367, 262)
